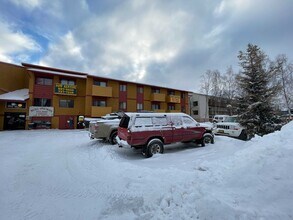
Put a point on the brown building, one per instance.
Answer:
(34, 96)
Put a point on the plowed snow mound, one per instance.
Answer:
(255, 182)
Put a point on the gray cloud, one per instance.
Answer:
(168, 43)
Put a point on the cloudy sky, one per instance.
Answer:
(162, 42)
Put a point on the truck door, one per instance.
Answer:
(177, 128)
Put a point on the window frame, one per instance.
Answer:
(43, 102)
(68, 103)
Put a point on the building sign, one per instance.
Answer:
(36, 111)
(174, 99)
(65, 89)
(15, 105)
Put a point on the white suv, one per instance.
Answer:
(230, 127)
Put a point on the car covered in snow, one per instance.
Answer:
(151, 131)
(230, 127)
(105, 128)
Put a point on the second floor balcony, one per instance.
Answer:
(158, 97)
(102, 91)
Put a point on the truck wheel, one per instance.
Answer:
(154, 146)
(243, 135)
(208, 138)
(113, 137)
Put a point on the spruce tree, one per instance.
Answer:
(255, 107)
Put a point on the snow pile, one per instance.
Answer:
(57, 174)
(255, 182)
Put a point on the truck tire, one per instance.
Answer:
(113, 137)
(243, 135)
(208, 138)
(201, 142)
(154, 146)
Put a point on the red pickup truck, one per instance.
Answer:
(151, 131)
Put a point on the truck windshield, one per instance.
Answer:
(231, 119)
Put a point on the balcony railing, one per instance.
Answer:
(173, 99)
(102, 91)
(98, 111)
(160, 110)
(158, 97)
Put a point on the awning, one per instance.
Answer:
(17, 95)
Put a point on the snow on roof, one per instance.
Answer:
(154, 114)
(58, 73)
(17, 95)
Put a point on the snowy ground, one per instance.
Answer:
(57, 174)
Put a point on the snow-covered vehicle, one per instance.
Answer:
(151, 131)
(105, 128)
(230, 127)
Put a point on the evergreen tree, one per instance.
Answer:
(255, 107)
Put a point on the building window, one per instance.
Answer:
(155, 90)
(15, 104)
(64, 103)
(44, 81)
(140, 89)
(67, 82)
(99, 83)
(42, 102)
(182, 95)
(100, 103)
(195, 103)
(195, 112)
(139, 106)
(155, 106)
(171, 92)
(123, 88)
(122, 106)
(171, 107)
(183, 109)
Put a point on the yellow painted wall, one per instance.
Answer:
(131, 91)
(114, 103)
(115, 88)
(147, 92)
(131, 105)
(12, 77)
(55, 122)
(147, 105)
(163, 106)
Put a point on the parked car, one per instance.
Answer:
(219, 118)
(230, 127)
(151, 131)
(105, 128)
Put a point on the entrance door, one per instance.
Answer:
(66, 122)
(14, 121)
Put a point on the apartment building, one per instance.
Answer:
(33, 96)
(204, 107)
